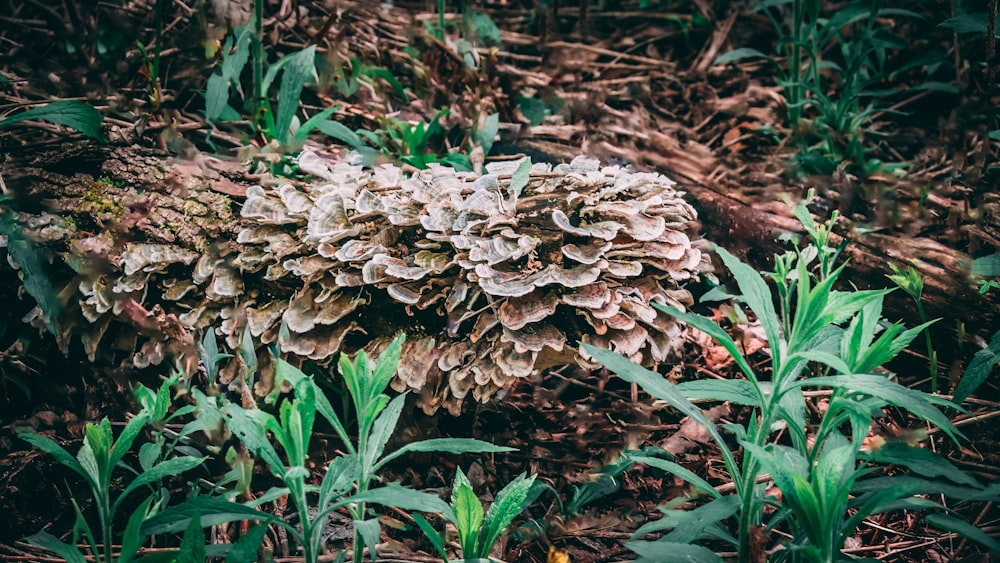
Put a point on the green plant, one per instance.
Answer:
(861, 41)
(979, 370)
(411, 143)
(912, 282)
(478, 532)
(377, 417)
(296, 69)
(814, 467)
(986, 267)
(96, 461)
(74, 114)
(22, 252)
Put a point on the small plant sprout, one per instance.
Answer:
(97, 461)
(912, 282)
(478, 532)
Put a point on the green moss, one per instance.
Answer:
(98, 200)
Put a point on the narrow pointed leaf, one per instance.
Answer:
(212, 511)
(46, 540)
(246, 548)
(964, 529)
(878, 386)
(432, 535)
(50, 447)
(757, 295)
(447, 445)
(74, 114)
(382, 430)
(673, 552)
(132, 539)
(675, 469)
(507, 505)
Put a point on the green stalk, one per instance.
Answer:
(104, 513)
(795, 65)
(931, 352)
(310, 552)
(258, 61)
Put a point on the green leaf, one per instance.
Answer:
(250, 426)
(923, 462)
(922, 486)
(298, 70)
(987, 266)
(713, 330)
(435, 538)
(385, 366)
(736, 391)
(216, 97)
(484, 136)
(468, 514)
(192, 548)
(740, 54)
(126, 438)
(246, 548)
(50, 447)
(673, 552)
(132, 539)
(686, 474)
(447, 445)
(23, 252)
(212, 511)
(652, 382)
(979, 370)
(399, 497)
(508, 504)
(340, 477)
(916, 402)
(482, 28)
(287, 372)
(757, 296)
(47, 541)
(341, 132)
(964, 529)
(966, 23)
(74, 114)
(314, 122)
(168, 468)
(370, 531)
(519, 179)
(691, 525)
(382, 430)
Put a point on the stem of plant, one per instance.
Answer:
(931, 352)
(258, 61)
(310, 553)
(104, 509)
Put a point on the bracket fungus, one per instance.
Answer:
(492, 282)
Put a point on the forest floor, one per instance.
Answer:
(626, 85)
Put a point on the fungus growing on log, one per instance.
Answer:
(491, 282)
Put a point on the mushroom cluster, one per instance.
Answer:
(492, 276)
(493, 280)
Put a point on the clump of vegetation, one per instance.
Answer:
(347, 483)
(818, 338)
